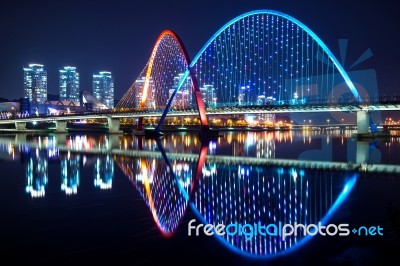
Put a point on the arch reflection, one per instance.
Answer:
(246, 194)
(160, 186)
(219, 189)
(239, 192)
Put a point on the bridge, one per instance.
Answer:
(113, 117)
(260, 62)
(263, 61)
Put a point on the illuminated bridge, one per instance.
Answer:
(113, 118)
(262, 61)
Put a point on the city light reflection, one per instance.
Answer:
(104, 172)
(218, 187)
(36, 175)
(70, 174)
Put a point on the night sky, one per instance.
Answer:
(118, 35)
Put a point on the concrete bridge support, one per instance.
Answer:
(113, 125)
(362, 153)
(61, 127)
(20, 126)
(362, 122)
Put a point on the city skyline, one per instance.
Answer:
(36, 83)
(129, 43)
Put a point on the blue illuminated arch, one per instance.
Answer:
(315, 38)
(290, 18)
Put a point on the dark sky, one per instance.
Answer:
(118, 35)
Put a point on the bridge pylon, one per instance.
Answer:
(113, 125)
(20, 126)
(366, 129)
(61, 127)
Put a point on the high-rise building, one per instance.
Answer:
(184, 96)
(35, 83)
(209, 95)
(69, 84)
(103, 88)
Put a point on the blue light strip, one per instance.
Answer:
(170, 100)
(304, 27)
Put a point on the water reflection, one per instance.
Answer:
(221, 193)
(246, 194)
(104, 172)
(237, 179)
(36, 151)
(160, 187)
(70, 173)
(36, 173)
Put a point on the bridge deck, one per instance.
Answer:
(215, 111)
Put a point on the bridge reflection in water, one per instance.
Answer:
(269, 195)
(233, 193)
(159, 187)
(217, 191)
(238, 193)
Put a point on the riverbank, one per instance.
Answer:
(100, 128)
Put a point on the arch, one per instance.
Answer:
(141, 85)
(277, 19)
(168, 60)
(195, 87)
(150, 64)
(304, 27)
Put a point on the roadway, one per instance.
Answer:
(268, 109)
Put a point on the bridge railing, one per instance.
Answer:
(316, 102)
